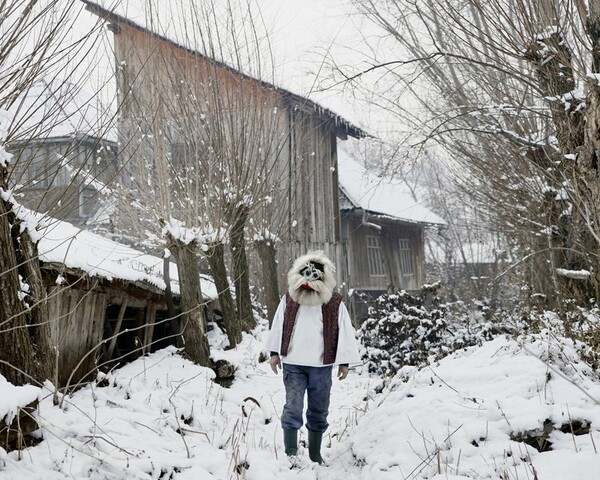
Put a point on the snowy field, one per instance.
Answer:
(161, 417)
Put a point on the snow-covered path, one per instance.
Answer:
(476, 414)
(129, 426)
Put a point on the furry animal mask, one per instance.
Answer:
(311, 279)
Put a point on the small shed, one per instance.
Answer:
(383, 232)
(107, 301)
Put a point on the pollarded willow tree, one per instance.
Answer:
(200, 140)
(509, 90)
(36, 41)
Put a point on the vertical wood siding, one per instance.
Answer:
(77, 326)
(306, 211)
(355, 238)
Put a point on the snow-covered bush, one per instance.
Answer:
(412, 329)
(583, 326)
(578, 323)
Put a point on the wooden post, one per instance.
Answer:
(149, 330)
(113, 341)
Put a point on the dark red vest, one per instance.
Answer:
(330, 326)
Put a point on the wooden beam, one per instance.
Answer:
(113, 341)
(149, 330)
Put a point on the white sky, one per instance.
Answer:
(300, 33)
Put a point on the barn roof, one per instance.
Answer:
(86, 252)
(363, 190)
(167, 21)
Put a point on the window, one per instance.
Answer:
(375, 256)
(38, 174)
(86, 202)
(405, 257)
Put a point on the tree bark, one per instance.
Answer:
(241, 277)
(175, 326)
(192, 304)
(589, 161)
(268, 261)
(216, 261)
(25, 338)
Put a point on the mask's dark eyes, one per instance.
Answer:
(312, 271)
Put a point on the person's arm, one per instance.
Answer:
(347, 351)
(343, 370)
(275, 362)
(274, 340)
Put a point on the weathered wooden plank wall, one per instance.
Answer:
(77, 326)
(355, 237)
(305, 212)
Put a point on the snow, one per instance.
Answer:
(177, 229)
(452, 420)
(266, 235)
(457, 417)
(575, 274)
(13, 398)
(5, 157)
(62, 242)
(381, 196)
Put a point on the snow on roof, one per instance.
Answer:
(52, 109)
(380, 196)
(62, 242)
(290, 37)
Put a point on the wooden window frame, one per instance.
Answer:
(405, 258)
(375, 256)
(86, 204)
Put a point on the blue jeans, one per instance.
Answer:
(316, 381)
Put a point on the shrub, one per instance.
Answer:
(415, 328)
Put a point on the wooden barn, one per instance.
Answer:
(64, 151)
(107, 301)
(304, 212)
(383, 233)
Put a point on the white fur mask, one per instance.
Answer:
(316, 286)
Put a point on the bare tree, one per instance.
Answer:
(508, 91)
(201, 140)
(32, 45)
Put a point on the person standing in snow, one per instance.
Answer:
(311, 332)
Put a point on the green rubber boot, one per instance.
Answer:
(314, 446)
(290, 441)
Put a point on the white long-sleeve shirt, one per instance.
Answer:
(307, 344)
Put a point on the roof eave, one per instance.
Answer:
(342, 126)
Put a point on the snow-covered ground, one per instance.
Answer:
(162, 417)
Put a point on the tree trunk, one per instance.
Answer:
(192, 304)
(267, 255)
(25, 349)
(175, 326)
(589, 161)
(552, 60)
(39, 331)
(241, 277)
(216, 260)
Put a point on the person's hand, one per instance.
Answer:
(275, 362)
(342, 372)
